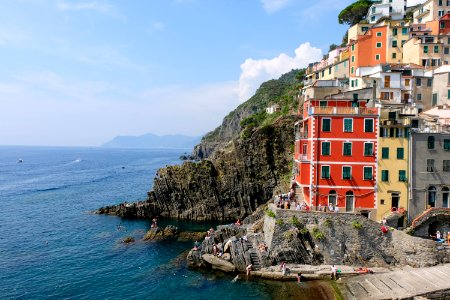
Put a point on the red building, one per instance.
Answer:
(335, 154)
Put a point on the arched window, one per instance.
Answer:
(431, 142)
(349, 201)
(332, 197)
(445, 195)
(432, 196)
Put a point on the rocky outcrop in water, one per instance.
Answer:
(172, 232)
(240, 178)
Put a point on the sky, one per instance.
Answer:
(80, 72)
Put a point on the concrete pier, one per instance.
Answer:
(433, 282)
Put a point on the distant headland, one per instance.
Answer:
(150, 140)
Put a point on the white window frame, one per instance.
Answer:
(321, 148)
(343, 125)
(321, 171)
(321, 128)
(373, 125)
(371, 168)
(381, 45)
(342, 172)
(351, 148)
(364, 149)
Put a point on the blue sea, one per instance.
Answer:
(51, 246)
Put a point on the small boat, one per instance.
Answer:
(20, 161)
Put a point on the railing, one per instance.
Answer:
(303, 157)
(343, 111)
(301, 135)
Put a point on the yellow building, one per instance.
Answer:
(393, 154)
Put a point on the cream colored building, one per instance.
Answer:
(441, 87)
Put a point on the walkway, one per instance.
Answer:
(399, 284)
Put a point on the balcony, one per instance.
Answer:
(343, 111)
(301, 135)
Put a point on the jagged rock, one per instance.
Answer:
(191, 236)
(156, 233)
(228, 187)
(226, 256)
(218, 263)
(128, 239)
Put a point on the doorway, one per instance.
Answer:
(349, 201)
(395, 200)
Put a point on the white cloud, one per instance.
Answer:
(272, 6)
(102, 7)
(254, 72)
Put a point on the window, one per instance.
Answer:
(347, 149)
(402, 175)
(353, 47)
(448, 94)
(418, 81)
(323, 103)
(419, 97)
(368, 149)
(400, 153)
(394, 31)
(325, 172)
(425, 49)
(367, 173)
(384, 175)
(434, 100)
(403, 42)
(372, 18)
(392, 115)
(353, 58)
(394, 43)
(432, 196)
(440, 2)
(429, 82)
(364, 28)
(353, 69)
(329, 70)
(436, 49)
(407, 82)
(346, 172)
(385, 152)
(387, 81)
(394, 55)
(431, 142)
(326, 125)
(348, 125)
(368, 125)
(352, 83)
(430, 165)
(446, 165)
(373, 9)
(378, 44)
(446, 144)
(323, 73)
(442, 25)
(404, 31)
(445, 194)
(377, 56)
(398, 132)
(390, 9)
(325, 148)
(446, 50)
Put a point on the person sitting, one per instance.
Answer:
(249, 269)
(333, 272)
(238, 222)
(330, 207)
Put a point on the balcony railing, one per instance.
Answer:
(343, 111)
(303, 157)
(301, 135)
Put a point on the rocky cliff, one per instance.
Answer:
(242, 176)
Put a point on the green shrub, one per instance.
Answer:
(304, 230)
(270, 213)
(279, 222)
(357, 225)
(328, 222)
(289, 235)
(317, 234)
(295, 221)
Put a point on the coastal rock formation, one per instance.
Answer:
(172, 232)
(316, 238)
(218, 263)
(240, 178)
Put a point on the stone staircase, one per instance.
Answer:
(299, 194)
(400, 284)
(254, 257)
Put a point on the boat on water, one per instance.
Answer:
(20, 161)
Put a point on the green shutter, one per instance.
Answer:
(326, 125)
(367, 173)
(348, 125)
(368, 125)
(385, 152)
(347, 148)
(385, 175)
(400, 153)
(446, 144)
(346, 173)
(325, 148)
(402, 175)
(404, 30)
(325, 172)
(368, 149)
(425, 49)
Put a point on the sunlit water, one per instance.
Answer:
(51, 247)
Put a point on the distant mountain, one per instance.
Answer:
(150, 140)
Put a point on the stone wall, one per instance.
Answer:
(350, 239)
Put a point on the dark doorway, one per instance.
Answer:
(349, 201)
(432, 228)
(395, 200)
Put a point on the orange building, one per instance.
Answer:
(369, 49)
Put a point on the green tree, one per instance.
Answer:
(354, 13)
(332, 47)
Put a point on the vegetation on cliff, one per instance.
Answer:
(355, 12)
